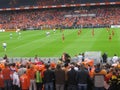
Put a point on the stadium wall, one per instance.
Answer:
(2, 30)
(115, 26)
(10, 30)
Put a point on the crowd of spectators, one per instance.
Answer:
(62, 75)
(62, 17)
(104, 16)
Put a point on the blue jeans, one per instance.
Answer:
(82, 86)
(49, 86)
(7, 84)
(59, 86)
(99, 88)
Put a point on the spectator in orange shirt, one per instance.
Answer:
(31, 74)
(6, 77)
(109, 75)
(24, 81)
(1, 80)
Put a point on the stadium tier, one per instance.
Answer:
(75, 17)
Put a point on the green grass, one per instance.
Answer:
(36, 42)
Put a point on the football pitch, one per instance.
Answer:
(36, 42)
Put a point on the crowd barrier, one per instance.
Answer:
(19, 59)
(49, 59)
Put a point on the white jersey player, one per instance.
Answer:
(4, 46)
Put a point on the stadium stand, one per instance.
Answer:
(63, 17)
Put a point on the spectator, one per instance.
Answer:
(66, 58)
(104, 57)
(31, 74)
(6, 77)
(72, 78)
(83, 78)
(21, 70)
(1, 80)
(59, 78)
(38, 77)
(99, 75)
(6, 58)
(48, 78)
(16, 81)
(115, 58)
(113, 82)
(66, 69)
(24, 81)
(53, 67)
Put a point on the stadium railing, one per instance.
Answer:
(47, 59)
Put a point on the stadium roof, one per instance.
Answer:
(36, 4)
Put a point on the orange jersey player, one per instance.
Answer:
(63, 37)
(110, 37)
(113, 33)
(108, 29)
(93, 32)
(79, 31)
